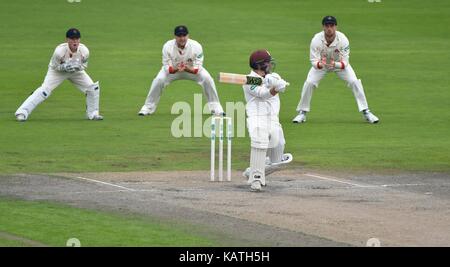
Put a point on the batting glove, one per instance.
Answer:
(281, 85)
(272, 79)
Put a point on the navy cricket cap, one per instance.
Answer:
(181, 30)
(73, 33)
(329, 20)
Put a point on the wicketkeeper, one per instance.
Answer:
(69, 62)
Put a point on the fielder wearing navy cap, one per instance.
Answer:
(329, 20)
(181, 30)
(73, 33)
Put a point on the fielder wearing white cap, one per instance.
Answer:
(330, 52)
(69, 62)
(182, 59)
(263, 107)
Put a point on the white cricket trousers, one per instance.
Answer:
(203, 78)
(316, 75)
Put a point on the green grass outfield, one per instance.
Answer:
(399, 50)
(53, 224)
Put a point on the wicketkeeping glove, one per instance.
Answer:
(77, 66)
(70, 67)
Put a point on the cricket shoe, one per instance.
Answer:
(21, 117)
(370, 117)
(219, 114)
(271, 167)
(300, 118)
(255, 186)
(277, 166)
(287, 158)
(96, 117)
(146, 111)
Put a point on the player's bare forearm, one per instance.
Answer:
(191, 70)
(179, 68)
(273, 91)
(317, 64)
(173, 70)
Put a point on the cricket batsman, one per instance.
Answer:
(262, 108)
(330, 52)
(69, 62)
(182, 59)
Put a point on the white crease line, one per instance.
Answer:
(96, 192)
(110, 191)
(395, 185)
(136, 190)
(336, 180)
(105, 183)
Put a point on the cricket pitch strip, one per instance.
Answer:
(297, 208)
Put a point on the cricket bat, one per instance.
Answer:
(241, 79)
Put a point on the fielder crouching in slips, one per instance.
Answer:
(330, 52)
(182, 59)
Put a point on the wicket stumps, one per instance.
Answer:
(220, 121)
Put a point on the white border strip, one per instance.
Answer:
(399, 185)
(334, 179)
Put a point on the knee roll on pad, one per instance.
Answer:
(259, 137)
(93, 87)
(43, 92)
(276, 137)
(259, 144)
(276, 154)
(96, 86)
(37, 97)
